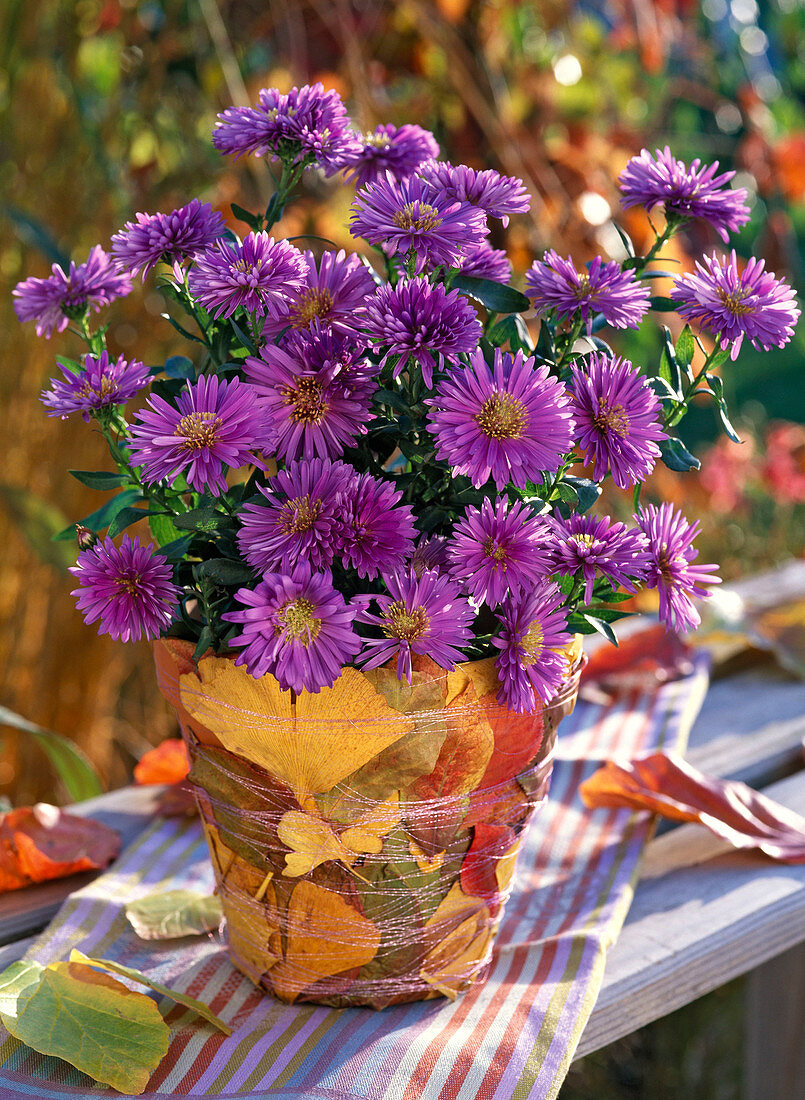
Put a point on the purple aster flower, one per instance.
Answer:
(332, 291)
(214, 425)
(375, 533)
(617, 417)
(101, 383)
(695, 192)
(509, 423)
(484, 262)
(414, 320)
(256, 274)
(405, 217)
(532, 629)
(339, 356)
(296, 628)
(498, 549)
(424, 615)
(554, 283)
(733, 304)
(128, 588)
(429, 553)
(306, 125)
(591, 545)
(298, 518)
(670, 569)
(53, 301)
(395, 151)
(312, 412)
(166, 238)
(498, 195)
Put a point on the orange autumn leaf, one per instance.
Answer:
(669, 785)
(460, 931)
(41, 842)
(303, 740)
(326, 936)
(640, 662)
(167, 763)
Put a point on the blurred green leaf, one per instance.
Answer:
(73, 768)
(38, 521)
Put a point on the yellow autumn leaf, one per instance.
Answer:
(366, 835)
(481, 674)
(311, 741)
(452, 963)
(311, 841)
(423, 861)
(504, 868)
(325, 936)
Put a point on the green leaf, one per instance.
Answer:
(179, 366)
(71, 365)
(171, 914)
(14, 980)
(124, 518)
(717, 389)
(254, 221)
(200, 519)
(602, 627)
(203, 644)
(38, 521)
(512, 330)
(586, 491)
(176, 549)
(241, 335)
(685, 347)
(677, 457)
(224, 571)
(663, 304)
(138, 976)
(97, 480)
(71, 765)
(93, 1022)
(566, 493)
(498, 297)
(626, 240)
(183, 331)
(96, 521)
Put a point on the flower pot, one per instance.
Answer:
(363, 838)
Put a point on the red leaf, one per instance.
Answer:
(478, 869)
(668, 785)
(40, 843)
(167, 763)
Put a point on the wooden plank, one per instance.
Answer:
(702, 915)
(775, 1010)
(128, 811)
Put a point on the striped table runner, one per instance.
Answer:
(512, 1036)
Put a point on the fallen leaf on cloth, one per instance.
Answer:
(41, 842)
(668, 785)
(642, 661)
(167, 763)
(171, 914)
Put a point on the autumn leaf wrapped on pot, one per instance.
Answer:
(312, 840)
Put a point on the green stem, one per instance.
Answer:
(679, 408)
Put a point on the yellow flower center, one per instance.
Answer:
(313, 303)
(404, 624)
(128, 584)
(198, 430)
(584, 290)
(308, 401)
(611, 418)
(734, 301)
(502, 416)
(299, 514)
(419, 216)
(106, 388)
(495, 550)
(296, 616)
(533, 643)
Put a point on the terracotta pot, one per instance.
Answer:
(363, 838)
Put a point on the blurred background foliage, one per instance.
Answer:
(106, 108)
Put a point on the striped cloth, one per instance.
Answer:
(512, 1036)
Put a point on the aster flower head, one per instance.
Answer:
(308, 125)
(425, 615)
(617, 417)
(52, 302)
(390, 151)
(375, 533)
(671, 569)
(429, 553)
(484, 262)
(733, 304)
(214, 424)
(332, 290)
(168, 238)
(404, 217)
(498, 549)
(498, 195)
(338, 355)
(555, 284)
(128, 589)
(532, 628)
(651, 180)
(255, 274)
(310, 412)
(593, 545)
(414, 320)
(101, 383)
(298, 517)
(510, 422)
(297, 628)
